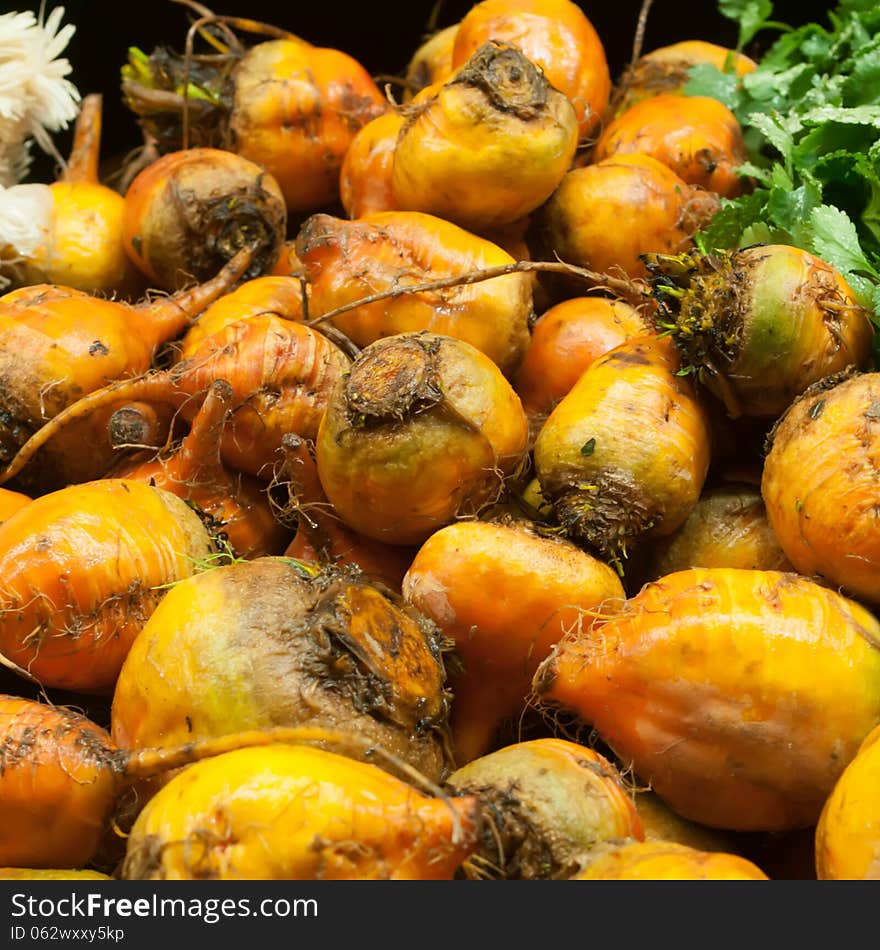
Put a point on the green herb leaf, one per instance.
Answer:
(836, 241)
(705, 79)
(751, 15)
(727, 225)
(810, 116)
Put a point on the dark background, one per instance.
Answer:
(381, 35)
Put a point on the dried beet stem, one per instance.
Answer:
(628, 289)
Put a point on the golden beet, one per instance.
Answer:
(365, 177)
(83, 568)
(237, 506)
(547, 802)
(281, 372)
(776, 683)
(624, 455)
(820, 483)
(424, 429)
(58, 345)
(760, 324)
(295, 111)
(661, 823)
(665, 861)
(431, 62)
(288, 106)
(698, 137)
(665, 70)
(557, 36)
(297, 813)
(268, 294)
(848, 832)
(728, 527)
(72, 228)
(321, 536)
(504, 595)
(228, 201)
(10, 502)
(65, 784)
(57, 785)
(489, 146)
(566, 340)
(604, 216)
(346, 261)
(269, 642)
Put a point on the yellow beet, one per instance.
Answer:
(819, 483)
(698, 137)
(566, 340)
(424, 429)
(666, 70)
(270, 642)
(607, 214)
(557, 36)
(75, 224)
(624, 455)
(666, 861)
(365, 177)
(759, 325)
(848, 832)
(548, 802)
(271, 293)
(661, 823)
(504, 595)
(728, 527)
(346, 261)
(431, 62)
(739, 696)
(489, 146)
(297, 813)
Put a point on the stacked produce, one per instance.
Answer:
(475, 484)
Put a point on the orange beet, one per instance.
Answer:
(557, 36)
(504, 595)
(83, 567)
(776, 683)
(566, 340)
(431, 62)
(847, 837)
(424, 429)
(346, 261)
(604, 216)
(698, 137)
(10, 502)
(365, 179)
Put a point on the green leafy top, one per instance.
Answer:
(810, 115)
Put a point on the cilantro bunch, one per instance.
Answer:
(810, 114)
